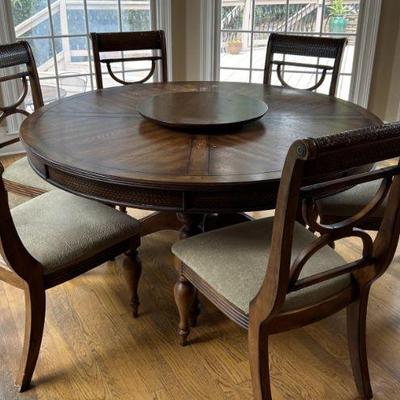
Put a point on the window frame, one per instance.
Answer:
(160, 19)
(367, 34)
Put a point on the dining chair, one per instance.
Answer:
(43, 247)
(346, 203)
(306, 46)
(129, 41)
(19, 177)
(272, 275)
(135, 41)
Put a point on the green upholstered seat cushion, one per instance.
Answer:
(233, 262)
(22, 173)
(351, 201)
(59, 229)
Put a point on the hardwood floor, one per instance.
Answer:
(94, 349)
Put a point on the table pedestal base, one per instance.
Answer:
(159, 221)
(217, 221)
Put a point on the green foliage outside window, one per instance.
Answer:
(139, 20)
(337, 8)
(24, 9)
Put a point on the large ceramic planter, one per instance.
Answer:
(234, 47)
(338, 24)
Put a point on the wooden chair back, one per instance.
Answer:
(307, 46)
(307, 176)
(128, 41)
(17, 55)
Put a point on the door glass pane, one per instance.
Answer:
(71, 84)
(72, 55)
(335, 18)
(304, 16)
(232, 75)
(66, 39)
(103, 16)
(49, 91)
(31, 18)
(135, 15)
(344, 87)
(270, 16)
(44, 56)
(260, 41)
(235, 50)
(257, 76)
(341, 17)
(73, 21)
(236, 15)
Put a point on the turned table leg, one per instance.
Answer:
(217, 221)
(191, 224)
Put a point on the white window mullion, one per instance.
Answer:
(53, 44)
(161, 19)
(366, 36)
(86, 13)
(253, 21)
(120, 29)
(160, 11)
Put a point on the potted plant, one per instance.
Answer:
(337, 16)
(234, 45)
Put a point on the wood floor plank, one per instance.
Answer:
(94, 349)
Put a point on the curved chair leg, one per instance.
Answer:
(259, 363)
(35, 310)
(184, 293)
(133, 271)
(356, 332)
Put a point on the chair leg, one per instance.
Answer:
(133, 271)
(259, 363)
(356, 333)
(184, 293)
(195, 310)
(35, 310)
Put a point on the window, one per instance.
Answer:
(245, 26)
(58, 32)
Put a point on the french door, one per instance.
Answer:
(245, 25)
(58, 32)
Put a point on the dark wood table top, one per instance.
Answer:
(98, 145)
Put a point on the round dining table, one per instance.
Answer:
(97, 145)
